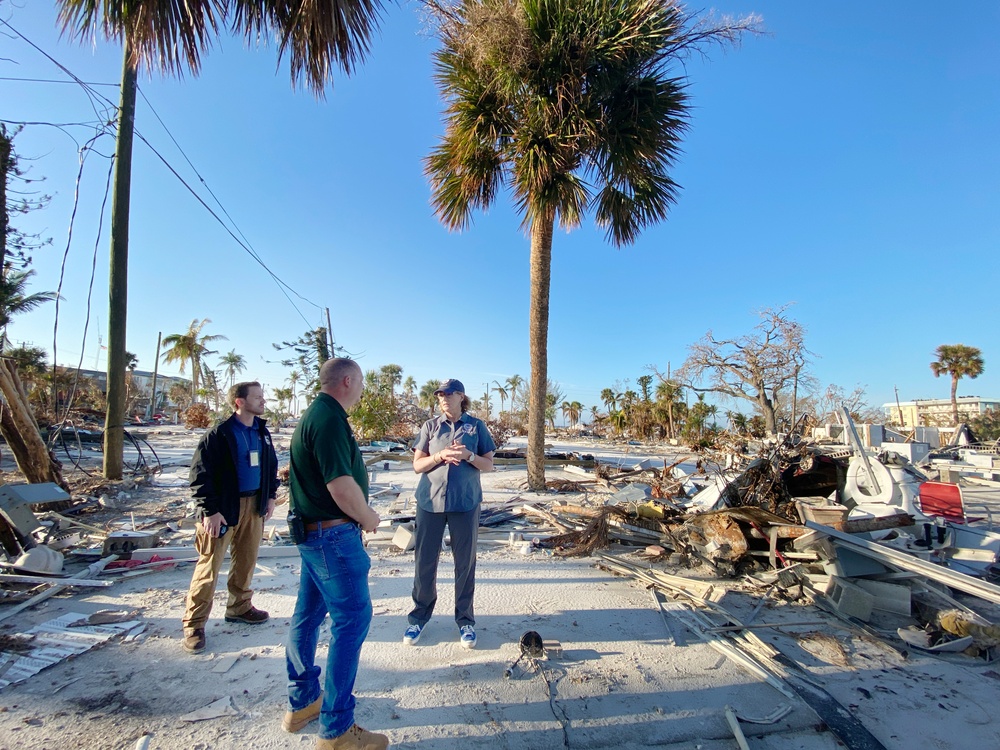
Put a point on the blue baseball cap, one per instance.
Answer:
(450, 386)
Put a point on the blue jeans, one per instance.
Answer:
(334, 581)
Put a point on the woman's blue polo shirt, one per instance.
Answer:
(447, 488)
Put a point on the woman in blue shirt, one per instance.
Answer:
(451, 451)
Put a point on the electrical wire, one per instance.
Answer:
(53, 80)
(85, 150)
(95, 98)
(281, 284)
(245, 243)
(242, 243)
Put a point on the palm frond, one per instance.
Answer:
(318, 36)
(164, 35)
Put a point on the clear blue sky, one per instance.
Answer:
(847, 162)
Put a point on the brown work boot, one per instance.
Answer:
(295, 720)
(194, 640)
(355, 738)
(252, 616)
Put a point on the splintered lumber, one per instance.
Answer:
(887, 555)
(759, 658)
(93, 570)
(534, 510)
(576, 510)
(14, 578)
(737, 628)
(674, 584)
(734, 725)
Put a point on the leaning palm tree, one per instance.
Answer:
(189, 346)
(569, 104)
(18, 425)
(170, 36)
(234, 364)
(958, 361)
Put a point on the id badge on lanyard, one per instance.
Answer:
(254, 458)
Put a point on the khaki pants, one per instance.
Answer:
(244, 540)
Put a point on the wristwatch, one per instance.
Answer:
(471, 458)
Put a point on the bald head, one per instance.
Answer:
(342, 379)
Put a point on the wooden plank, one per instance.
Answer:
(14, 578)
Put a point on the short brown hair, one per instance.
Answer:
(241, 390)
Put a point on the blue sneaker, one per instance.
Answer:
(412, 634)
(468, 636)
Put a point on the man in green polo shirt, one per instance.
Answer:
(329, 491)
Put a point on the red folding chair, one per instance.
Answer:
(944, 500)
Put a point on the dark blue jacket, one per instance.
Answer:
(215, 485)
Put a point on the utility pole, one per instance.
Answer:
(487, 402)
(329, 335)
(156, 370)
(114, 422)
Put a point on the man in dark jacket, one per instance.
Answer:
(234, 481)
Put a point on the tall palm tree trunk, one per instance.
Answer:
(114, 423)
(538, 337)
(954, 400)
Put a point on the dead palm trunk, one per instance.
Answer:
(20, 430)
(538, 335)
(114, 423)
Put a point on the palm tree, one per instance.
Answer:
(610, 399)
(284, 398)
(393, 376)
(171, 36)
(513, 383)
(189, 347)
(959, 361)
(14, 298)
(409, 388)
(564, 407)
(668, 392)
(618, 421)
(571, 411)
(293, 380)
(426, 398)
(501, 392)
(234, 363)
(569, 104)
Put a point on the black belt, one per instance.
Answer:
(252, 493)
(318, 525)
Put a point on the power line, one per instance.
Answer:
(54, 80)
(239, 242)
(282, 285)
(246, 242)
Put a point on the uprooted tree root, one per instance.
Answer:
(596, 535)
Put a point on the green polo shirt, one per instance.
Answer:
(323, 448)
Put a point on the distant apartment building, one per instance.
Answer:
(142, 381)
(936, 412)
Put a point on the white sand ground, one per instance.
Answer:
(620, 683)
